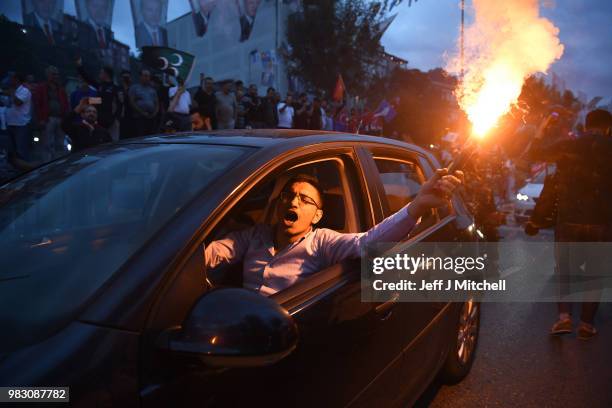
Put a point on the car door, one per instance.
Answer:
(345, 345)
(397, 177)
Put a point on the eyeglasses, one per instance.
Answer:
(288, 196)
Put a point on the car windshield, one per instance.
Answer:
(67, 227)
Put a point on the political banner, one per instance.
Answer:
(98, 15)
(46, 16)
(150, 22)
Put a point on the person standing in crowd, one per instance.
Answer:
(180, 105)
(82, 127)
(328, 121)
(125, 109)
(198, 122)
(226, 109)
(285, 112)
(241, 103)
(253, 108)
(270, 114)
(583, 212)
(163, 91)
(354, 121)
(18, 116)
(315, 116)
(144, 103)
(300, 107)
(51, 105)
(205, 98)
(84, 90)
(239, 86)
(109, 106)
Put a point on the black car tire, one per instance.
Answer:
(463, 349)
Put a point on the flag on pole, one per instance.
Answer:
(385, 111)
(168, 60)
(339, 90)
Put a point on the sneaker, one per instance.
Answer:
(586, 331)
(562, 326)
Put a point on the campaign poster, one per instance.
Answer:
(44, 15)
(150, 22)
(98, 15)
(201, 12)
(247, 10)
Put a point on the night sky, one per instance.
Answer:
(427, 32)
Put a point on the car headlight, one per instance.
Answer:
(522, 197)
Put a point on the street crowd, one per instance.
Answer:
(101, 110)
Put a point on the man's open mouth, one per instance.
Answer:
(290, 217)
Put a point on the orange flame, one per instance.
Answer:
(508, 42)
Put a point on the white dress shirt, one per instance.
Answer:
(268, 272)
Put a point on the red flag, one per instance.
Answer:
(339, 89)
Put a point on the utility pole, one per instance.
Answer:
(462, 37)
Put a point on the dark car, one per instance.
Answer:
(103, 287)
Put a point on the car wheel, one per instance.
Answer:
(462, 351)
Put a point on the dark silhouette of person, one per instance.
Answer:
(583, 195)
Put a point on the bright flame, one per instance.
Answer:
(507, 43)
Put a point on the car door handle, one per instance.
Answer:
(384, 310)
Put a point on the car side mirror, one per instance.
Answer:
(234, 327)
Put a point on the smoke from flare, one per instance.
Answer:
(508, 42)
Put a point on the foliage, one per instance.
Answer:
(334, 37)
(426, 110)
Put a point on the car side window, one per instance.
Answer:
(258, 206)
(401, 181)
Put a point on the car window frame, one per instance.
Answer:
(370, 150)
(307, 291)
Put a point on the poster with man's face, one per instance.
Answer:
(150, 22)
(43, 14)
(202, 11)
(248, 11)
(98, 13)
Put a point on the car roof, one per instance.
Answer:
(271, 137)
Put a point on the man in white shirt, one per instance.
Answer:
(180, 105)
(18, 117)
(277, 256)
(285, 113)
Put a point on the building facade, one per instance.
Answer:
(228, 45)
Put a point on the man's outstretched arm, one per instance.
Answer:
(335, 246)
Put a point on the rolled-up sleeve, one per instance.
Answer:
(335, 247)
(229, 249)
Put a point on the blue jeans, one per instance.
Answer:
(20, 140)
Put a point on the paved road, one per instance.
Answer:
(519, 365)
